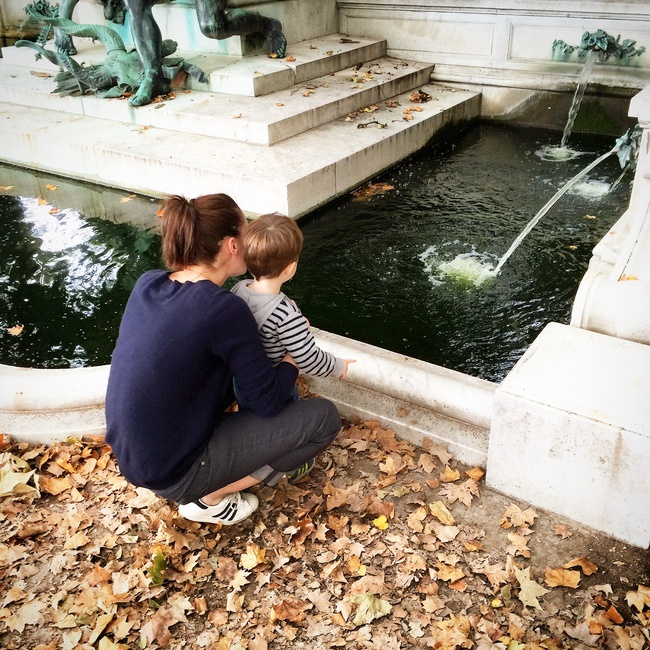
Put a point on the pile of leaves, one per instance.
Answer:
(381, 548)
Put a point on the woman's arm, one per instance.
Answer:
(265, 388)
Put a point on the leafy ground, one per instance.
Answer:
(386, 546)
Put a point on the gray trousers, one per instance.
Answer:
(244, 444)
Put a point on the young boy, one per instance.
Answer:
(272, 246)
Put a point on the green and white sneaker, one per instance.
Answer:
(299, 474)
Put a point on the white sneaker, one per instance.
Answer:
(232, 509)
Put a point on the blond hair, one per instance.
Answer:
(271, 243)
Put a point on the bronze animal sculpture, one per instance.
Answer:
(214, 22)
(122, 72)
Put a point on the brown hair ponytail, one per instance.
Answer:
(193, 231)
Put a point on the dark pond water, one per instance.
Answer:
(372, 266)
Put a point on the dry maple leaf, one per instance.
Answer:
(613, 615)
(27, 614)
(449, 475)
(441, 513)
(519, 545)
(561, 530)
(448, 573)
(445, 533)
(416, 518)
(495, 573)
(254, 555)
(588, 568)
(370, 608)
(476, 473)
(530, 590)
(515, 516)
(562, 578)
(463, 492)
(639, 598)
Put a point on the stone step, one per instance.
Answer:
(292, 177)
(251, 76)
(260, 120)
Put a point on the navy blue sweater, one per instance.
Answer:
(179, 347)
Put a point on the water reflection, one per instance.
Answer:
(65, 279)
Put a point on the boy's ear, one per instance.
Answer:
(291, 269)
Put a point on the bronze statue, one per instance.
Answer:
(214, 22)
(114, 11)
(122, 72)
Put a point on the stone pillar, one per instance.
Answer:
(571, 431)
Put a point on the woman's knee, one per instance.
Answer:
(330, 419)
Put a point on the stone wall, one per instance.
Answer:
(504, 48)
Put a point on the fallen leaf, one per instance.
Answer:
(42, 201)
(449, 475)
(515, 516)
(237, 116)
(639, 598)
(381, 523)
(628, 278)
(588, 568)
(279, 104)
(562, 531)
(291, 59)
(54, 210)
(39, 73)
(370, 608)
(448, 573)
(290, 609)
(530, 590)
(476, 473)
(125, 199)
(613, 615)
(159, 564)
(439, 511)
(15, 474)
(4, 188)
(254, 555)
(520, 544)
(590, 216)
(51, 187)
(562, 578)
(16, 330)
(28, 614)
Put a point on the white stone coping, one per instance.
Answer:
(44, 405)
(32, 389)
(448, 392)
